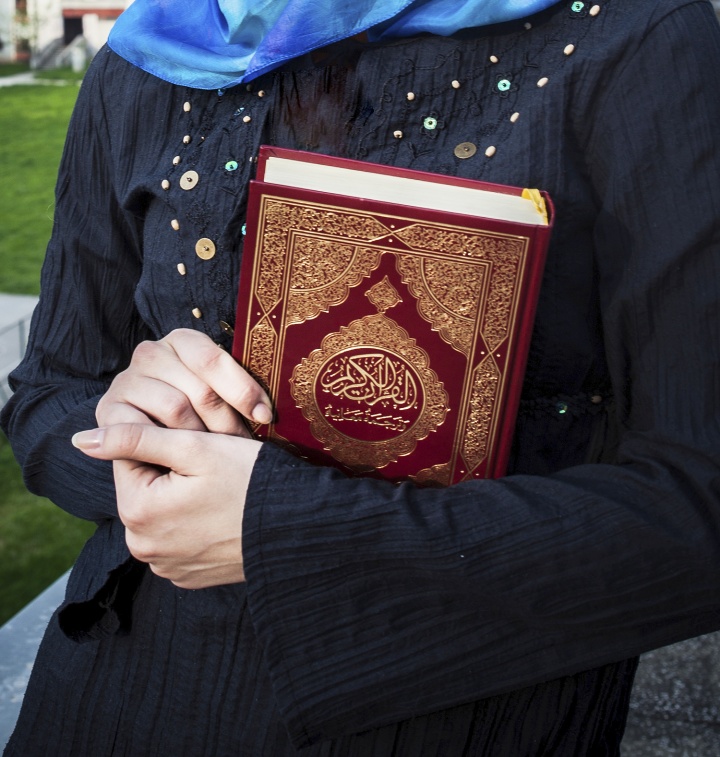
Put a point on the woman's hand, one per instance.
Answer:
(185, 381)
(181, 490)
(181, 495)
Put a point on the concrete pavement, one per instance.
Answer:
(28, 77)
(675, 708)
(15, 312)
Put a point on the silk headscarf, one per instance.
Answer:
(213, 44)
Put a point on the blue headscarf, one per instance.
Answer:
(213, 44)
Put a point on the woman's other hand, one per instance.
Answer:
(185, 381)
(181, 495)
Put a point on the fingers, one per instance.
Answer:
(180, 495)
(162, 386)
(134, 394)
(142, 443)
(185, 381)
(188, 453)
(221, 373)
(109, 412)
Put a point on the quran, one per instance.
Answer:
(388, 312)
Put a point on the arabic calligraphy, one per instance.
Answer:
(369, 393)
(392, 423)
(371, 378)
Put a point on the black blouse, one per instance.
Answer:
(380, 619)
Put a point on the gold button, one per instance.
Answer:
(227, 328)
(189, 179)
(465, 150)
(205, 248)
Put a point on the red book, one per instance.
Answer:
(388, 312)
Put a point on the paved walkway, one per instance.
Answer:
(15, 312)
(28, 77)
(675, 708)
(15, 306)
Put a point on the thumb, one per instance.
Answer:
(139, 442)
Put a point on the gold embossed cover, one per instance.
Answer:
(392, 340)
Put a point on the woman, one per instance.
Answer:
(286, 607)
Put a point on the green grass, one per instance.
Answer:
(38, 541)
(33, 122)
(59, 74)
(10, 69)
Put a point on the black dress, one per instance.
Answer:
(377, 619)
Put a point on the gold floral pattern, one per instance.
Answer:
(343, 267)
(448, 296)
(383, 295)
(440, 475)
(323, 273)
(485, 387)
(449, 292)
(263, 340)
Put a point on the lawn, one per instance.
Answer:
(33, 122)
(10, 69)
(38, 541)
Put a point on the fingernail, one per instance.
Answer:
(91, 439)
(261, 413)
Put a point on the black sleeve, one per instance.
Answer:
(375, 602)
(85, 325)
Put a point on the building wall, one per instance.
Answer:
(7, 49)
(96, 30)
(49, 20)
(97, 18)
